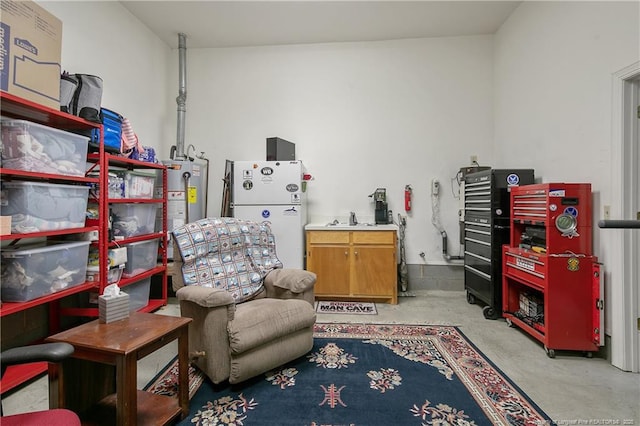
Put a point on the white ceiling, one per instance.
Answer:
(257, 23)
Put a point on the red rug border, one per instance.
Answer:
(162, 381)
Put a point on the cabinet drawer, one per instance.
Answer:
(328, 237)
(479, 231)
(374, 237)
(479, 264)
(477, 196)
(529, 270)
(477, 247)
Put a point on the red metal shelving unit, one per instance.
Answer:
(108, 161)
(18, 108)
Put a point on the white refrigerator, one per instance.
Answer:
(273, 191)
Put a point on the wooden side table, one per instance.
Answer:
(105, 361)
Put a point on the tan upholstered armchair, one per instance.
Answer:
(249, 315)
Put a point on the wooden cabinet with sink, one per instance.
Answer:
(354, 264)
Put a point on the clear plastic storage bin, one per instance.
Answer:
(138, 294)
(34, 147)
(138, 184)
(35, 270)
(115, 185)
(39, 206)
(130, 220)
(141, 257)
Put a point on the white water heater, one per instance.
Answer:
(186, 194)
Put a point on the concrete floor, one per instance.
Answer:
(571, 389)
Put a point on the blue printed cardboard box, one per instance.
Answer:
(30, 50)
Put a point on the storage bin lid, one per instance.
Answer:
(147, 174)
(24, 184)
(9, 122)
(96, 268)
(138, 243)
(39, 248)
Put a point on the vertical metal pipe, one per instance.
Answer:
(181, 100)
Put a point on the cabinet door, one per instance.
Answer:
(374, 270)
(331, 265)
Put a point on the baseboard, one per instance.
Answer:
(436, 277)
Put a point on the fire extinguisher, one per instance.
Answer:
(407, 198)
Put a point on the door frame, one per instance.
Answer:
(625, 298)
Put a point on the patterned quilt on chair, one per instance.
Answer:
(227, 253)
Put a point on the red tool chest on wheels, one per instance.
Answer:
(551, 284)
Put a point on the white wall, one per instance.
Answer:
(362, 115)
(104, 39)
(384, 114)
(554, 63)
(380, 114)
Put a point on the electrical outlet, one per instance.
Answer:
(435, 187)
(474, 159)
(606, 212)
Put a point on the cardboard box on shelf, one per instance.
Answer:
(30, 50)
(5, 225)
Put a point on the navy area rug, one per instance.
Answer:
(373, 374)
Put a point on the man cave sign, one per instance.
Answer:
(346, 308)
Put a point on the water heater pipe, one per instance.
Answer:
(181, 100)
(206, 179)
(435, 220)
(186, 176)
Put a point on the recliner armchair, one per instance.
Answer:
(249, 315)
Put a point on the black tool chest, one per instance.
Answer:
(486, 229)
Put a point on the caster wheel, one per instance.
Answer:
(550, 352)
(489, 313)
(471, 299)
(510, 323)
(588, 354)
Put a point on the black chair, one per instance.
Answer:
(50, 352)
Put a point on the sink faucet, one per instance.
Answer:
(352, 219)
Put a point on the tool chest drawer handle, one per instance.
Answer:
(485, 225)
(475, 271)
(520, 268)
(476, 231)
(484, 243)
(477, 256)
(526, 259)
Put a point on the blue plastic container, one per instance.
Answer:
(112, 125)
